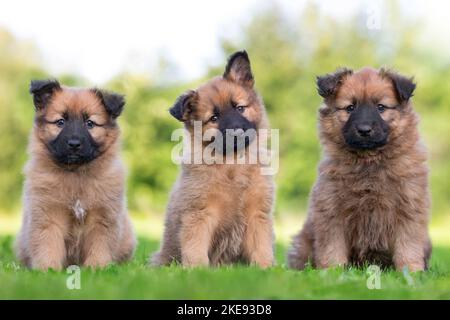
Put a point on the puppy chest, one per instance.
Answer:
(369, 228)
(78, 210)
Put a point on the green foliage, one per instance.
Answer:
(17, 66)
(286, 56)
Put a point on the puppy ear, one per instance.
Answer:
(42, 91)
(183, 106)
(238, 69)
(404, 87)
(112, 102)
(328, 84)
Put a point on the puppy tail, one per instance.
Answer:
(301, 249)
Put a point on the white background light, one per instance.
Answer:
(98, 39)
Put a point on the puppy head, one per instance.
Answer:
(75, 125)
(364, 110)
(225, 104)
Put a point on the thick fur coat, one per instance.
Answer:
(220, 213)
(74, 202)
(369, 204)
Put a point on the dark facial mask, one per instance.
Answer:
(74, 145)
(365, 129)
(237, 131)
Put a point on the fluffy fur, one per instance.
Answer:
(220, 213)
(74, 207)
(369, 205)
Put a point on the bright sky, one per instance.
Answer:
(97, 39)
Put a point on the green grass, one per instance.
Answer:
(136, 281)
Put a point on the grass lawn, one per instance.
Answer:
(136, 281)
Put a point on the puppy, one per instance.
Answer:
(370, 203)
(220, 213)
(74, 194)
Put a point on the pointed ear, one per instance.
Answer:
(238, 69)
(42, 91)
(184, 105)
(404, 87)
(112, 102)
(328, 84)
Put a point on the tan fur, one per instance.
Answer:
(367, 206)
(51, 235)
(220, 213)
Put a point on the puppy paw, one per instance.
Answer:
(157, 260)
(410, 266)
(47, 265)
(331, 264)
(191, 261)
(97, 261)
(262, 262)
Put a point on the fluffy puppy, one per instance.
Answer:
(220, 213)
(74, 194)
(370, 203)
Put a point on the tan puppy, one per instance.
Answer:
(74, 194)
(221, 213)
(370, 203)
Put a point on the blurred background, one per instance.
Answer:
(153, 51)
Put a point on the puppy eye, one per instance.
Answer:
(350, 108)
(60, 123)
(90, 124)
(214, 118)
(241, 109)
(381, 108)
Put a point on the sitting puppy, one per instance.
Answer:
(370, 203)
(220, 213)
(74, 194)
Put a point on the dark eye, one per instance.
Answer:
(241, 109)
(381, 108)
(60, 123)
(90, 124)
(350, 108)
(214, 118)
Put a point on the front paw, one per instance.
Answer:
(45, 265)
(97, 261)
(261, 261)
(191, 261)
(410, 266)
(331, 262)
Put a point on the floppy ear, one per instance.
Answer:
(328, 84)
(404, 86)
(42, 91)
(112, 102)
(183, 106)
(238, 69)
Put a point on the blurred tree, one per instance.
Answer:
(286, 56)
(18, 64)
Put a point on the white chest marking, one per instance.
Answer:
(79, 211)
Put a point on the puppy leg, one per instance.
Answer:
(330, 247)
(411, 246)
(21, 246)
(170, 248)
(128, 241)
(47, 248)
(196, 233)
(258, 242)
(101, 238)
(301, 249)
(258, 239)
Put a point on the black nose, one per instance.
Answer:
(364, 129)
(74, 143)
